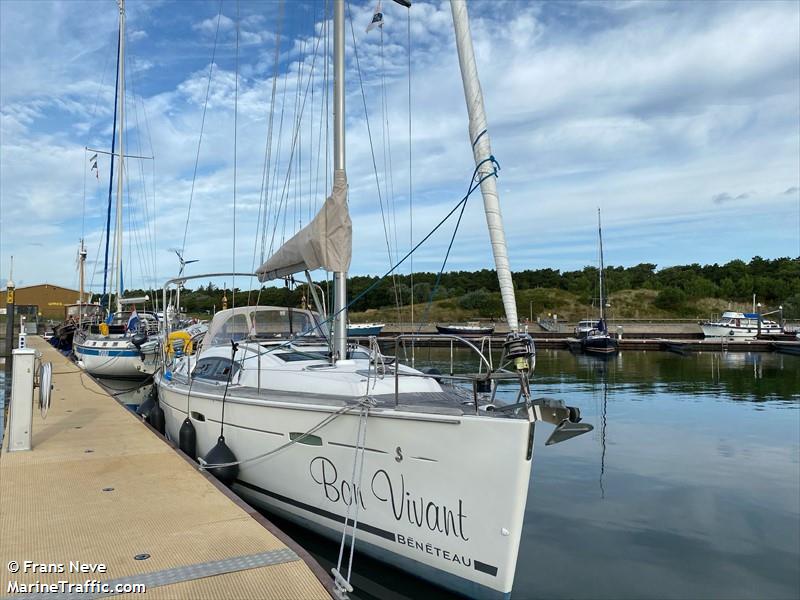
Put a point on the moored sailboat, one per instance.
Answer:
(125, 344)
(351, 443)
(598, 340)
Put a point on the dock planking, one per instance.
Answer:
(101, 488)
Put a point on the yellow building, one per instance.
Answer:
(48, 299)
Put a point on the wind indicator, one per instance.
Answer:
(183, 262)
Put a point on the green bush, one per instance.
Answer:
(670, 298)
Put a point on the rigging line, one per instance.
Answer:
(328, 170)
(372, 148)
(475, 184)
(390, 192)
(97, 262)
(235, 153)
(297, 141)
(143, 239)
(410, 187)
(151, 248)
(202, 127)
(111, 176)
(292, 181)
(271, 192)
(441, 270)
(97, 96)
(294, 140)
(311, 133)
(322, 101)
(83, 202)
(389, 177)
(153, 182)
(274, 205)
(265, 182)
(298, 440)
(323, 113)
(88, 134)
(328, 144)
(262, 207)
(298, 179)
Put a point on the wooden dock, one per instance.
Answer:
(102, 488)
(561, 341)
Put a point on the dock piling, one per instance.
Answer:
(20, 413)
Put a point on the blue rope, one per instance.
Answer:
(495, 168)
(474, 185)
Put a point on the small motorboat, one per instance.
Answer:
(471, 328)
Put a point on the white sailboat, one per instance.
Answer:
(430, 477)
(122, 348)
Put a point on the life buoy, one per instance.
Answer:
(179, 335)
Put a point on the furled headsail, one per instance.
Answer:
(325, 243)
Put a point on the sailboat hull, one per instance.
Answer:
(605, 345)
(118, 359)
(440, 496)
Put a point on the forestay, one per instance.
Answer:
(325, 243)
(482, 150)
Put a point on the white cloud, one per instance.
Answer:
(654, 112)
(136, 35)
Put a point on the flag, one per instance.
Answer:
(377, 18)
(133, 321)
(95, 169)
(94, 158)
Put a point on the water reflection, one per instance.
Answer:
(689, 486)
(130, 393)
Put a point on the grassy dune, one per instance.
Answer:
(625, 304)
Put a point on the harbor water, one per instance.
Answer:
(688, 486)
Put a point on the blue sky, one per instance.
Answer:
(680, 120)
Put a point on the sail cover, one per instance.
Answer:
(325, 243)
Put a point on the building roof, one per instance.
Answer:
(50, 285)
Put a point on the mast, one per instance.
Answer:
(482, 149)
(339, 277)
(118, 230)
(105, 300)
(602, 266)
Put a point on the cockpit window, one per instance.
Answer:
(234, 329)
(283, 323)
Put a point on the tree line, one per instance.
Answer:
(774, 281)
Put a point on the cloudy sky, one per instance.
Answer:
(680, 120)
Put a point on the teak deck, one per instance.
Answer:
(53, 508)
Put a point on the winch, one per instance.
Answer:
(519, 348)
